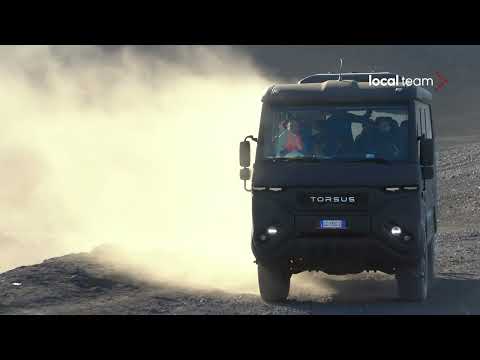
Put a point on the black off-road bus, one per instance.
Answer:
(344, 181)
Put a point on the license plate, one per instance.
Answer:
(333, 224)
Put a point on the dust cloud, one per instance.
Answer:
(130, 150)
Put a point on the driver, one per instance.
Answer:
(289, 141)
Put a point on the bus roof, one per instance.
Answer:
(342, 91)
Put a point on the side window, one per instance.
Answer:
(428, 123)
(420, 127)
(424, 122)
(419, 121)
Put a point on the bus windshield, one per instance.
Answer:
(340, 132)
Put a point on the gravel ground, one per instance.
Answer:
(77, 284)
(459, 184)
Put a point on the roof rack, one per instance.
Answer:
(360, 77)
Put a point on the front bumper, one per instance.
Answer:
(367, 244)
(335, 255)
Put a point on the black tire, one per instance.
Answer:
(413, 281)
(274, 284)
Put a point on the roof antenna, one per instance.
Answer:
(340, 70)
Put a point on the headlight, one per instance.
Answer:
(396, 231)
(272, 231)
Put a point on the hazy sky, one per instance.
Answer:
(455, 106)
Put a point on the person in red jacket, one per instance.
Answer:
(289, 141)
(294, 140)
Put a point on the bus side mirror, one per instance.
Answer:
(245, 154)
(245, 174)
(426, 152)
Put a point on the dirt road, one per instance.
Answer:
(77, 284)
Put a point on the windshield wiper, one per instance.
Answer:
(315, 159)
(373, 160)
(306, 158)
(290, 159)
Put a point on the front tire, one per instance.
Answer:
(413, 281)
(274, 284)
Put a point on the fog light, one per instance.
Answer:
(396, 230)
(272, 230)
(407, 238)
(263, 237)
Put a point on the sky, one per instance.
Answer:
(454, 106)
